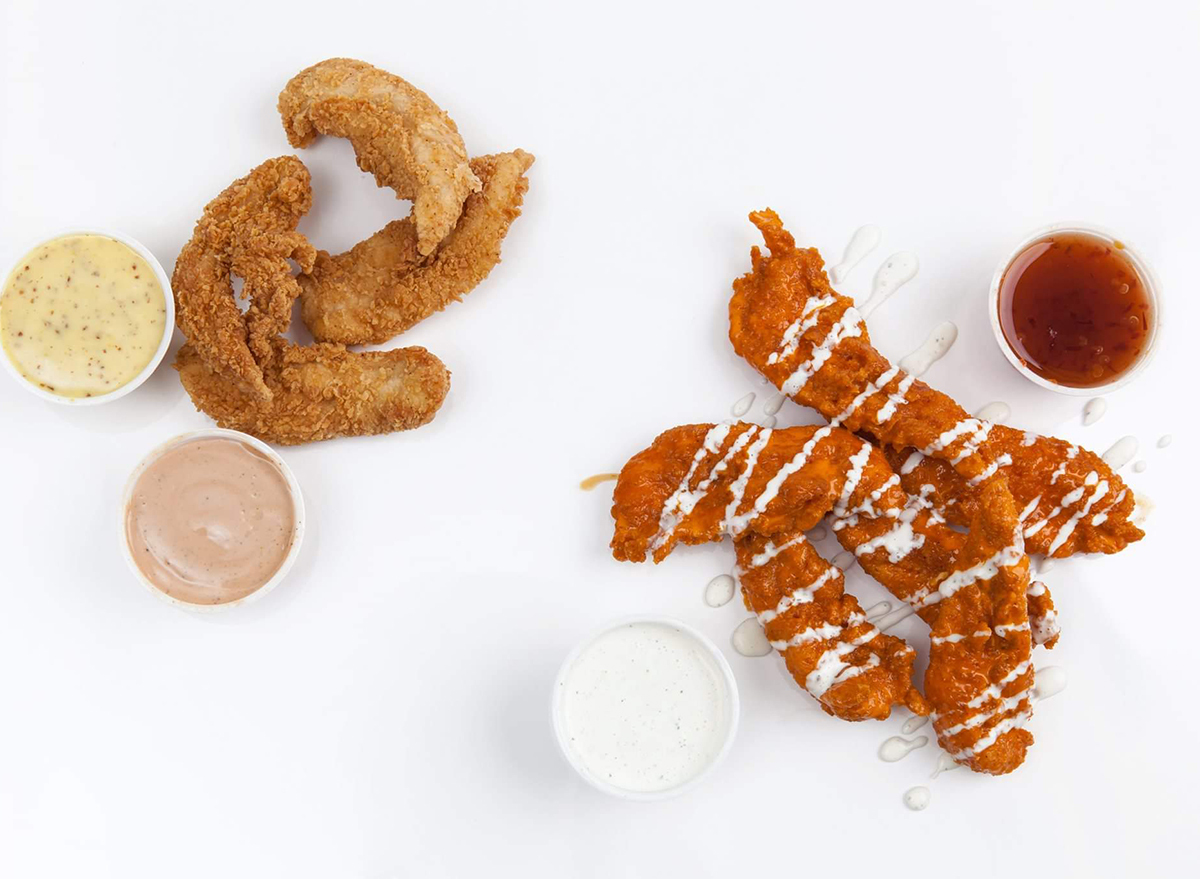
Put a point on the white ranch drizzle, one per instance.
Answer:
(897, 748)
(917, 798)
(719, 591)
(1121, 452)
(832, 669)
(877, 610)
(774, 404)
(996, 412)
(750, 640)
(862, 242)
(932, 349)
(738, 487)
(737, 524)
(1003, 461)
(823, 632)
(1062, 467)
(984, 570)
(742, 406)
(1067, 528)
(894, 401)
(1094, 411)
(809, 317)
(945, 763)
(1029, 439)
(896, 271)
(682, 501)
(847, 327)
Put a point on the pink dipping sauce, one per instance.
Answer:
(210, 521)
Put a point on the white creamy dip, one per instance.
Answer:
(644, 708)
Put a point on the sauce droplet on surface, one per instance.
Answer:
(1094, 411)
(996, 412)
(945, 763)
(933, 349)
(1121, 452)
(897, 748)
(917, 798)
(592, 481)
(774, 404)
(1139, 467)
(719, 591)
(891, 618)
(913, 724)
(862, 242)
(1164, 440)
(769, 421)
(742, 406)
(749, 639)
(896, 271)
(818, 533)
(1049, 681)
(875, 611)
(844, 560)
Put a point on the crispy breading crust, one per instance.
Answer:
(382, 286)
(399, 134)
(238, 369)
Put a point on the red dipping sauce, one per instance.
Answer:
(1075, 310)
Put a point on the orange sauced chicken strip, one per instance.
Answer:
(811, 342)
(764, 489)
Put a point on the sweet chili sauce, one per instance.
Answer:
(1074, 309)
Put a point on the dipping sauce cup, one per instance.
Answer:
(645, 709)
(85, 316)
(211, 520)
(1075, 309)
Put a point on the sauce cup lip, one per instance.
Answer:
(168, 327)
(558, 723)
(222, 433)
(1141, 266)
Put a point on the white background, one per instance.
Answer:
(384, 713)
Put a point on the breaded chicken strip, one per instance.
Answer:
(321, 392)
(238, 369)
(765, 488)
(812, 344)
(382, 286)
(399, 134)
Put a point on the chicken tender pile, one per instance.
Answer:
(237, 366)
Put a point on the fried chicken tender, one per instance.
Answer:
(702, 482)
(383, 285)
(399, 134)
(239, 370)
(765, 488)
(810, 341)
(980, 673)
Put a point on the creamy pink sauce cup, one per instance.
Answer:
(297, 507)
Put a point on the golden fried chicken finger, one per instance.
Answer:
(382, 286)
(811, 342)
(238, 369)
(399, 134)
(321, 392)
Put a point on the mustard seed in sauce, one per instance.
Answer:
(77, 343)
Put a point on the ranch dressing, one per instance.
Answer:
(644, 707)
(82, 315)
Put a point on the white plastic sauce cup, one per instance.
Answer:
(164, 343)
(297, 506)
